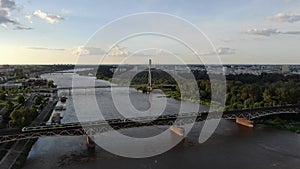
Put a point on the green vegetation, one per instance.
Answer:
(286, 122)
(21, 99)
(50, 84)
(104, 72)
(243, 91)
(24, 116)
(15, 98)
(38, 99)
(266, 90)
(13, 105)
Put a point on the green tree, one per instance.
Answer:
(21, 99)
(9, 107)
(17, 117)
(2, 96)
(38, 99)
(266, 95)
(50, 83)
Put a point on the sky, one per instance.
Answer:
(61, 31)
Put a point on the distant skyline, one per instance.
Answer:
(243, 32)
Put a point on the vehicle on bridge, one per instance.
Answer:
(63, 99)
(60, 107)
(56, 118)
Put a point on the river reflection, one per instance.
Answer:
(232, 146)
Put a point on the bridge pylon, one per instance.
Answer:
(149, 88)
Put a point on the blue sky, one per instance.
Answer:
(243, 31)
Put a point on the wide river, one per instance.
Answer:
(231, 146)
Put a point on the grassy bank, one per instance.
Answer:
(291, 123)
(173, 95)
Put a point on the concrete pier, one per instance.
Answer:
(244, 122)
(177, 130)
(90, 143)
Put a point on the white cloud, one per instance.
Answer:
(28, 17)
(84, 50)
(51, 18)
(118, 51)
(282, 17)
(219, 51)
(65, 11)
(45, 48)
(263, 32)
(225, 51)
(114, 51)
(269, 32)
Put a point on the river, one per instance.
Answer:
(231, 146)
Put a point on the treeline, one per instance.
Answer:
(21, 115)
(104, 72)
(158, 77)
(243, 91)
(241, 96)
(24, 116)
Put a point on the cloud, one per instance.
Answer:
(114, 51)
(65, 11)
(51, 18)
(270, 32)
(118, 51)
(225, 51)
(219, 51)
(20, 27)
(291, 33)
(6, 6)
(45, 48)
(282, 17)
(263, 32)
(5, 18)
(28, 17)
(84, 50)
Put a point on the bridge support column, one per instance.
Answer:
(90, 143)
(244, 122)
(177, 130)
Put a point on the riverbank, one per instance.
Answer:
(27, 145)
(175, 95)
(263, 145)
(171, 94)
(282, 124)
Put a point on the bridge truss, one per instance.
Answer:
(92, 128)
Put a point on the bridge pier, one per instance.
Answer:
(244, 122)
(90, 143)
(177, 130)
